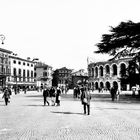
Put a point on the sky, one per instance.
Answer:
(62, 33)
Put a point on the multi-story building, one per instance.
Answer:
(5, 67)
(43, 74)
(64, 77)
(22, 72)
(108, 73)
(79, 78)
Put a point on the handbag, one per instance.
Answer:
(59, 98)
(85, 100)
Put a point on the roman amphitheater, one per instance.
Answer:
(105, 74)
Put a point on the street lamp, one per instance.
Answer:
(2, 38)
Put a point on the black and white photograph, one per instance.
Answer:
(69, 70)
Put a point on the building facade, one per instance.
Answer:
(79, 77)
(22, 72)
(106, 74)
(43, 74)
(64, 77)
(5, 66)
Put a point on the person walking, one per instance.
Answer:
(118, 91)
(6, 96)
(58, 93)
(45, 95)
(25, 90)
(74, 92)
(113, 93)
(52, 95)
(85, 98)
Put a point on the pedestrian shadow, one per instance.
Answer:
(34, 105)
(114, 108)
(2, 105)
(57, 112)
(35, 96)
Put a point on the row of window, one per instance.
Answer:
(3, 55)
(64, 75)
(102, 85)
(23, 80)
(45, 74)
(20, 73)
(4, 61)
(19, 62)
(45, 68)
(95, 71)
(4, 70)
(64, 71)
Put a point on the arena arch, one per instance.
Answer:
(93, 72)
(101, 70)
(107, 85)
(123, 73)
(115, 84)
(96, 71)
(93, 85)
(96, 85)
(122, 69)
(101, 85)
(107, 69)
(114, 69)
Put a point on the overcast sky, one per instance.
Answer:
(62, 32)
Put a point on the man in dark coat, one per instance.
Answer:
(45, 95)
(6, 96)
(113, 93)
(58, 93)
(52, 95)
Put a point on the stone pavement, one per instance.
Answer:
(25, 118)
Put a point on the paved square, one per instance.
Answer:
(25, 118)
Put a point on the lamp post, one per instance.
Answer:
(2, 38)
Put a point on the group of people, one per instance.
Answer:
(83, 93)
(54, 94)
(76, 92)
(114, 91)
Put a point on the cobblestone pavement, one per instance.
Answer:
(25, 118)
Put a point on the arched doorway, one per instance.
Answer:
(107, 85)
(122, 75)
(114, 69)
(101, 71)
(101, 85)
(115, 84)
(96, 85)
(107, 69)
(92, 85)
(96, 71)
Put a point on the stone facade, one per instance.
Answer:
(43, 74)
(79, 77)
(5, 67)
(22, 72)
(106, 74)
(64, 76)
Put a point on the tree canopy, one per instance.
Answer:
(123, 40)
